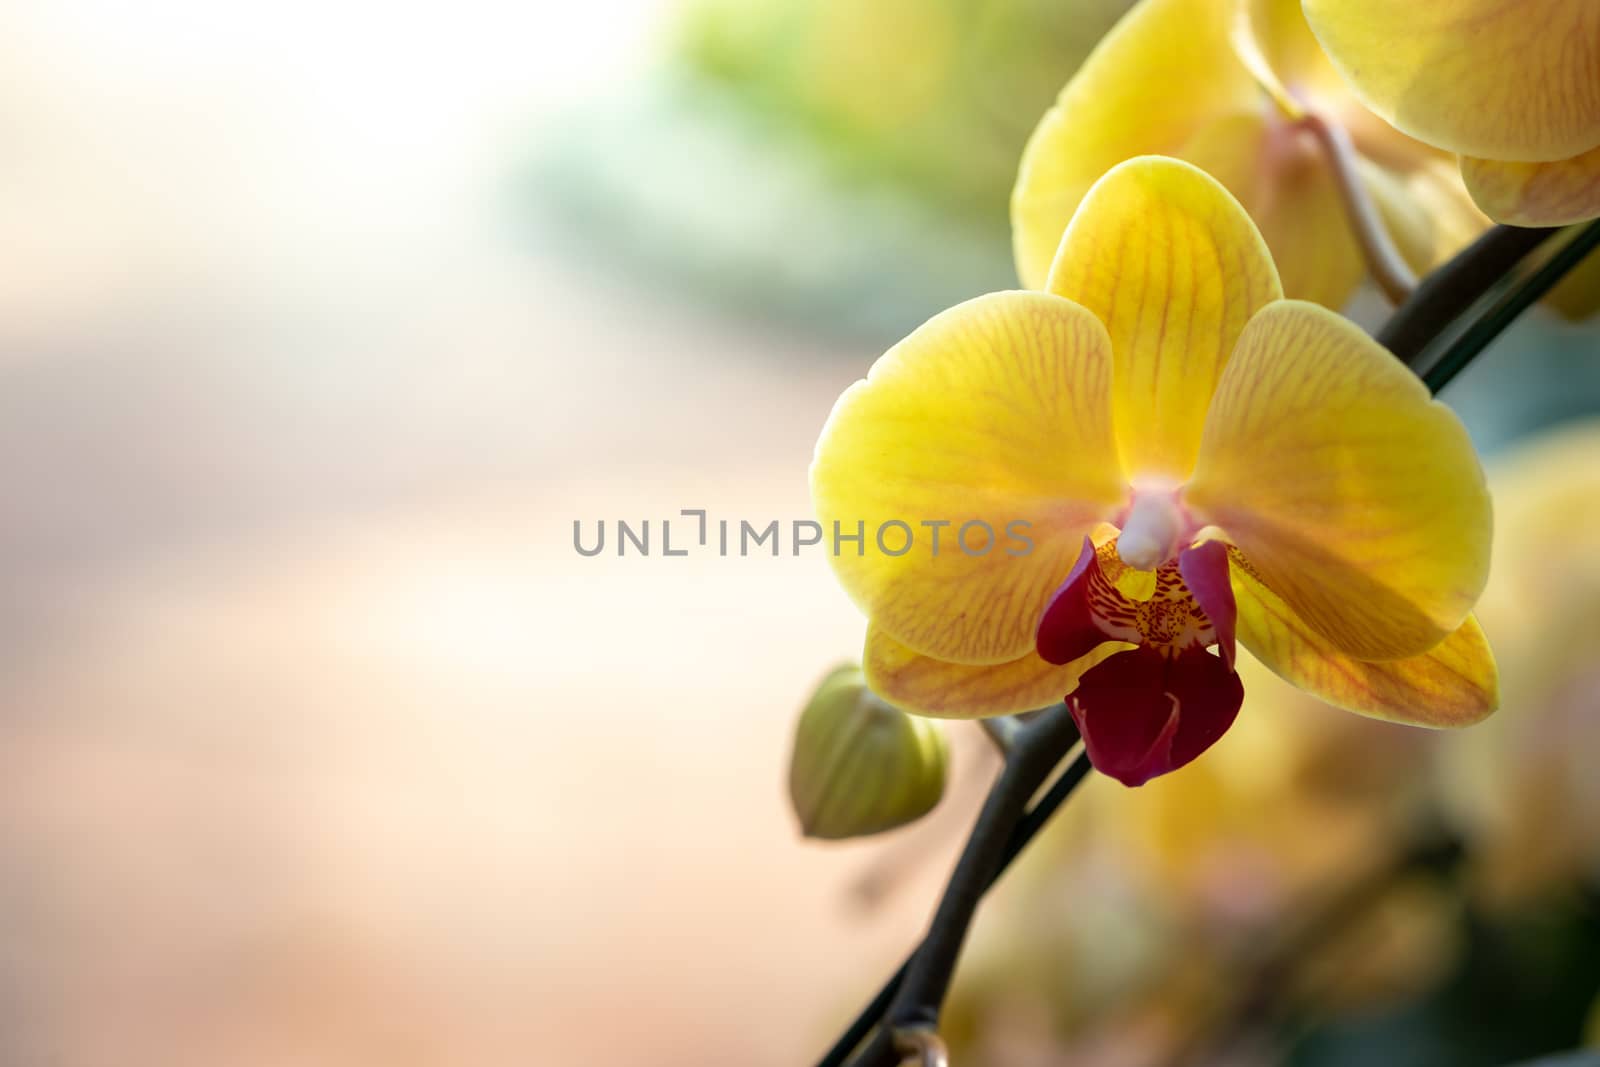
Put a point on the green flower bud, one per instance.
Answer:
(860, 766)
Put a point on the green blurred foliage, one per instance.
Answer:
(938, 95)
(843, 167)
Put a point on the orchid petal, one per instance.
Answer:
(1453, 684)
(1284, 183)
(933, 687)
(1479, 77)
(1289, 189)
(1536, 194)
(1205, 574)
(998, 412)
(1143, 714)
(1173, 266)
(1272, 39)
(1084, 612)
(1354, 497)
(1160, 74)
(1424, 206)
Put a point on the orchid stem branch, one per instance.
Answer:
(912, 999)
(1505, 311)
(1449, 291)
(1036, 750)
(1384, 262)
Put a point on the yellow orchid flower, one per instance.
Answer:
(1199, 458)
(1514, 89)
(1224, 84)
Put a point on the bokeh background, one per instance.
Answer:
(321, 323)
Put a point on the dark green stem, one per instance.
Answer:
(1005, 826)
(1445, 295)
(1505, 311)
(1036, 750)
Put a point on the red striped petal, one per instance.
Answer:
(1067, 629)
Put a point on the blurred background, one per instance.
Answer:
(321, 323)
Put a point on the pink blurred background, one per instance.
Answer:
(320, 745)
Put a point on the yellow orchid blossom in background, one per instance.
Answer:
(1192, 458)
(1513, 88)
(1223, 84)
(1522, 791)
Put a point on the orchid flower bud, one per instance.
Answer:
(859, 765)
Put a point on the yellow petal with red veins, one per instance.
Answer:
(1536, 194)
(1356, 498)
(929, 686)
(1492, 78)
(992, 418)
(1173, 266)
(1453, 684)
(1160, 74)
